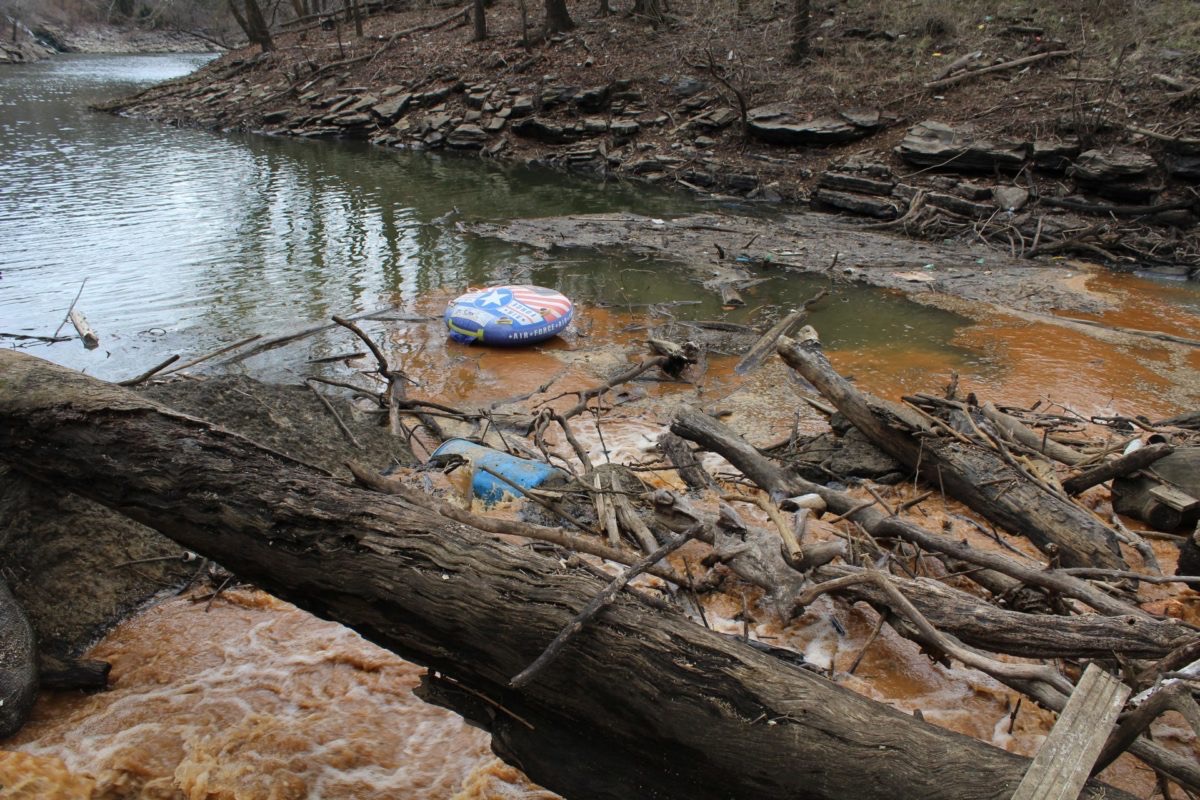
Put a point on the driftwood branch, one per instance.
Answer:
(1116, 468)
(1007, 65)
(967, 472)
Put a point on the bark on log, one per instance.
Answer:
(18, 664)
(690, 470)
(1116, 468)
(683, 711)
(976, 476)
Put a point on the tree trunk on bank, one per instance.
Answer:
(478, 15)
(557, 18)
(641, 703)
(801, 21)
(976, 476)
(650, 9)
(250, 18)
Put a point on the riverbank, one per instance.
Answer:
(1013, 127)
(45, 39)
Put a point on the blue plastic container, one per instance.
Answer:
(508, 315)
(487, 487)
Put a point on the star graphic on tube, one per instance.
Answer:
(495, 297)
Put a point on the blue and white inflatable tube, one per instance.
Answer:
(508, 315)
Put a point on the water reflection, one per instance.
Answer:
(210, 237)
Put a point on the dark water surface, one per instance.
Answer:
(190, 239)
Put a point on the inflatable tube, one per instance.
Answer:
(508, 315)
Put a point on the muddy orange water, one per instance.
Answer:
(252, 699)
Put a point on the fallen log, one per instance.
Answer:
(1016, 429)
(968, 472)
(641, 704)
(1117, 468)
(1018, 62)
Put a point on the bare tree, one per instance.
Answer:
(557, 18)
(650, 9)
(800, 31)
(250, 17)
(480, 22)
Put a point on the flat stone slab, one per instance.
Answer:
(1120, 164)
(779, 123)
(937, 145)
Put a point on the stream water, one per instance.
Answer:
(179, 241)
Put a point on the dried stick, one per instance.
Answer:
(931, 635)
(1117, 467)
(867, 644)
(630, 520)
(596, 604)
(791, 544)
(288, 338)
(149, 373)
(70, 308)
(1175, 697)
(1117, 574)
(510, 527)
(213, 354)
(1019, 62)
(336, 416)
(586, 395)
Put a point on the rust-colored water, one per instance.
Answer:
(255, 700)
(252, 699)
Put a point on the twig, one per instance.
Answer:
(465, 11)
(30, 337)
(336, 416)
(509, 527)
(70, 308)
(585, 396)
(484, 698)
(213, 354)
(288, 338)
(149, 373)
(1019, 62)
(1138, 543)
(596, 604)
(870, 640)
(932, 636)
(1096, 572)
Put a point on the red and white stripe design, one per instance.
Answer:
(550, 303)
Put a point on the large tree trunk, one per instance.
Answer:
(478, 15)
(801, 20)
(641, 703)
(557, 17)
(969, 473)
(249, 16)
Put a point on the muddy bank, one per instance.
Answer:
(724, 249)
(727, 251)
